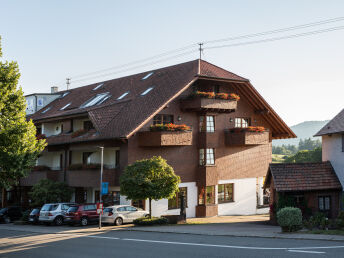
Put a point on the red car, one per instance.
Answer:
(82, 214)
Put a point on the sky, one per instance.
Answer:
(301, 78)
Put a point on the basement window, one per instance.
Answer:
(46, 110)
(147, 76)
(97, 100)
(146, 91)
(63, 108)
(123, 95)
(98, 86)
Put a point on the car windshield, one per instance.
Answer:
(49, 207)
(3, 210)
(72, 209)
(34, 211)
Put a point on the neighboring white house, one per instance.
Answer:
(37, 101)
(333, 144)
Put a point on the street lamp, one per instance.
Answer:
(101, 183)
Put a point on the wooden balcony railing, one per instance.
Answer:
(91, 178)
(35, 176)
(241, 138)
(165, 138)
(206, 104)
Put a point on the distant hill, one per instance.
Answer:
(303, 130)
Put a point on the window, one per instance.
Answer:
(146, 91)
(64, 94)
(64, 107)
(88, 125)
(174, 203)
(163, 119)
(147, 76)
(46, 110)
(206, 157)
(123, 95)
(40, 102)
(98, 86)
(97, 100)
(207, 124)
(225, 193)
(117, 158)
(130, 208)
(324, 203)
(138, 204)
(121, 209)
(242, 122)
(112, 198)
(206, 195)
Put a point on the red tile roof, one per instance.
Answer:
(121, 118)
(303, 177)
(336, 125)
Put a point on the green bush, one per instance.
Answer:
(25, 216)
(151, 221)
(290, 219)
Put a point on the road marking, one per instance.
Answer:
(296, 249)
(310, 252)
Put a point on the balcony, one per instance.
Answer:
(209, 105)
(35, 176)
(165, 138)
(245, 138)
(91, 177)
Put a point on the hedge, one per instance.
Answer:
(151, 221)
(290, 219)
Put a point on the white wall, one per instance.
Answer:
(79, 124)
(109, 156)
(50, 159)
(332, 151)
(51, 129)
(245, 200)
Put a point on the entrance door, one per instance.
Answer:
(80, 195)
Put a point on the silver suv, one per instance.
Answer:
(54, 213)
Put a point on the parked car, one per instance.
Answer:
(34, 215)
(9, 214)
(82, 214)
(54, 213)
(120, 214)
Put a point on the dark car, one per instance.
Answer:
(9, 214)
(82, 214)
(34, 216)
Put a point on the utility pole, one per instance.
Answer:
(68, 82)
(101, 184)
(200, 57)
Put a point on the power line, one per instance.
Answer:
(138, 66)
(278, 38)
(302, 26)
(137, 61)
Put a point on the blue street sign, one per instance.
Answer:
(105, 188)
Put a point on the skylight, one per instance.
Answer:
(146, 91)
(65, 94)
(98, 86)
(45, 110)
(63, 108)
(98, 99)
(147, 76)
(123, 95)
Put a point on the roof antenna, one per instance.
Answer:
(68, 82)
(200, 57)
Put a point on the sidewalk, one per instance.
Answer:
(238, 226)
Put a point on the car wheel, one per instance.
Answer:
(58, 221)
(7, 220)
(118, 221)
(84, 221)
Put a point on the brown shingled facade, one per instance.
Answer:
(75, 133)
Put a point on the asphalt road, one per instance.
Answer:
(149, 244)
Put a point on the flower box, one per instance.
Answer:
(240, 137)
(165, 138)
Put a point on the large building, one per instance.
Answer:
(222, 157)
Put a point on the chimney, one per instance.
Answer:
(54, 89)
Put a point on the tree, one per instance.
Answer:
(306, 156)
(47, 191)
(19, 147)
(149, 179)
